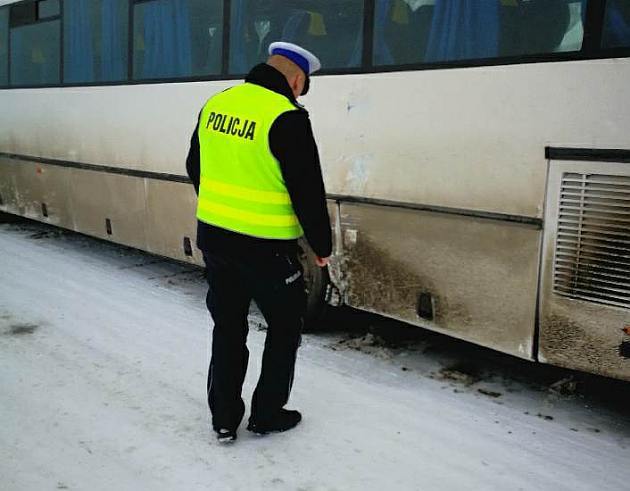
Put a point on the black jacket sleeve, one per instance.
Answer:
(192, 161)
(291, 141)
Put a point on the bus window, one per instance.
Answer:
(207, 36)
(333, 30)
(431, 31)
(401, 31)
(4, 47)
(616, 32)
(95, 36)
(48, 8)
(177, 38)
(35, 46)
(548, 27)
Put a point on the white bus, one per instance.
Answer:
(476, 153)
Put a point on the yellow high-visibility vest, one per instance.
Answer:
(241, 186)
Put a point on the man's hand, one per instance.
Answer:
(322, 262)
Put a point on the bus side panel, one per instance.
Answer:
(152, 215)
(36, 191)
(585, 336)
(109, 206)
(471, 278)
(171, 210)
(8, 195)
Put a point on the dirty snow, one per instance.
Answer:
(103, 354)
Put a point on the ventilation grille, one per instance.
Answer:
(592, 260)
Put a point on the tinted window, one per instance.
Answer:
(333, 30)
(177, 38)
(425, 31)
(23, 13)
(617, 24)
(47, 8)
(4, 46)
(95, 40)
(35, 54)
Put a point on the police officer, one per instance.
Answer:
(255, 166)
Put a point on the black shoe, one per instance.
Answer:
(226, 436)
(284, 420)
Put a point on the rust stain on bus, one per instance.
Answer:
(378, 282)
(569, 343)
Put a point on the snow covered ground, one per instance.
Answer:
(103, 354)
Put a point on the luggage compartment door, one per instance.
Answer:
(585, 280)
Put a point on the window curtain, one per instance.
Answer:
(238, 55)
(464, 29)
(574, 37)
(113, 41)
(17, 48)
(167, 39)
(35, 54)
(4, 52)
(616, 28)
(79, 55)
(357, 52)
(382, 55)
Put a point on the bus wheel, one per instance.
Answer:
(316, 280)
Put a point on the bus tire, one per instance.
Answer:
(316, 281)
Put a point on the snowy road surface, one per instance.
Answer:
(103, 354)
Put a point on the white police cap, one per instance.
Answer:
(307, 61)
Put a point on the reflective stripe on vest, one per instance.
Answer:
(241, 187)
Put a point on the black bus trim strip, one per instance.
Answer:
(588, 154)
(107, 169)
(162, 176)
(487, 215)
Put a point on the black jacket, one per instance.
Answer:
(291, 142)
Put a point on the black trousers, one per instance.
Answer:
(274, 280)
